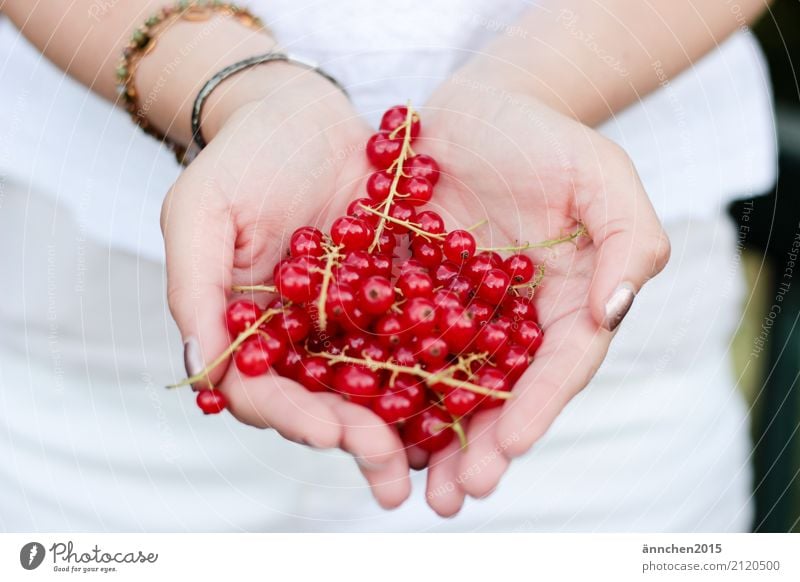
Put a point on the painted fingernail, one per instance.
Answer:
(192, 358)
(618, 305)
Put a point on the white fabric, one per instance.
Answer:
(703, 139)
(90, 440)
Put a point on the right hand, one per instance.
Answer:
(290, 159)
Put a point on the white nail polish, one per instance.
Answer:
(618, 305)
(192, 358)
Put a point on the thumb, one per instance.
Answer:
(630, 243)
(199, 238)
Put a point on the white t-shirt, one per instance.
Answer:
(703, 139)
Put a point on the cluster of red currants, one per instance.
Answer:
(391, 310)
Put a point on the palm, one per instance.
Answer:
(505, 167)
(256, 182)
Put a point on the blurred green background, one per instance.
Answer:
(771, 377)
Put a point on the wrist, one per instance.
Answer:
(271, 87)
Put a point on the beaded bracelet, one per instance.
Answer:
(143, 41)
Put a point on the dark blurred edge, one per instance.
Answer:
(774, 222)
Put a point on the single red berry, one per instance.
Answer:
(529, 335)
(374, 351)
(446, 299)
(505, 323)
(396, 116)
(424, 167)
(445, 272)
(340, 301)
(293, 323)
(404, 212)
(289, 365)
(432, 350)
(379, 184)
(415, 191)
(314, 373)
(411, 266)
(520, 268)
(457, 327)
(429, 253)
(306, 240)
(387, 242)
(419, 316)
(519, 308)
(480, 311)
(293, 281)
(430, 430)
(382, 264)
(431, 222)
(415, 284)
(359, 260)
(348, 275)
(390, 330)
(494, 380)
(513, 360)
(461, 402)
(358, 384)
(491, 338)
(356, 210)
(494, 286)
(258, 353)
(401, 401)
(459, 246)
(351, 233)
(211, 401)
(240, 315)
(477, 267)
(382, 150)
(461, 286)
(376, 295)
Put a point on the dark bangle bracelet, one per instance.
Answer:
(229, 71)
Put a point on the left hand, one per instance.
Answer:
(534, 174)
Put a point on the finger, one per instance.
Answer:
(274, 402)
(631, 245)
(378, 451)
(443, 490)
(483, 464)
(571, 352)
(199, 241)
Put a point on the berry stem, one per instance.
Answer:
(537, 280)
(477, 225)
(579, 232)
(252, 329)
(254, 288)
(460, 433)
(444, 376)
(397, 168)
(412, 226)
(332, 255)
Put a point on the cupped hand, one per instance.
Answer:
(535, 174)
(290, 159)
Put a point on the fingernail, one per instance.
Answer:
(618, 305)
(367, 465)
(192, 358)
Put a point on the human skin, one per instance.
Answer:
(495, 122)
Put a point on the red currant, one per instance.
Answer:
(491, 338)
(430, 430)
(358, 384)
(293, 323)
(293, 281)
(382, 150)
(529, 335)
(431, 222)
(211, 401)
(428, 253)
(461, 402)
(396, 116)
(416, 191)
(351, 233)
(459, 246)
(423, 166)
(415, 284)
(379, 184)
(494, 380)
(519, 267)
(419, 316)
(240, 315)
(457, 327)
(306, 241)
(313, 373)
(258, 353)
(494, 286)
(376, 295)
(432, 350)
